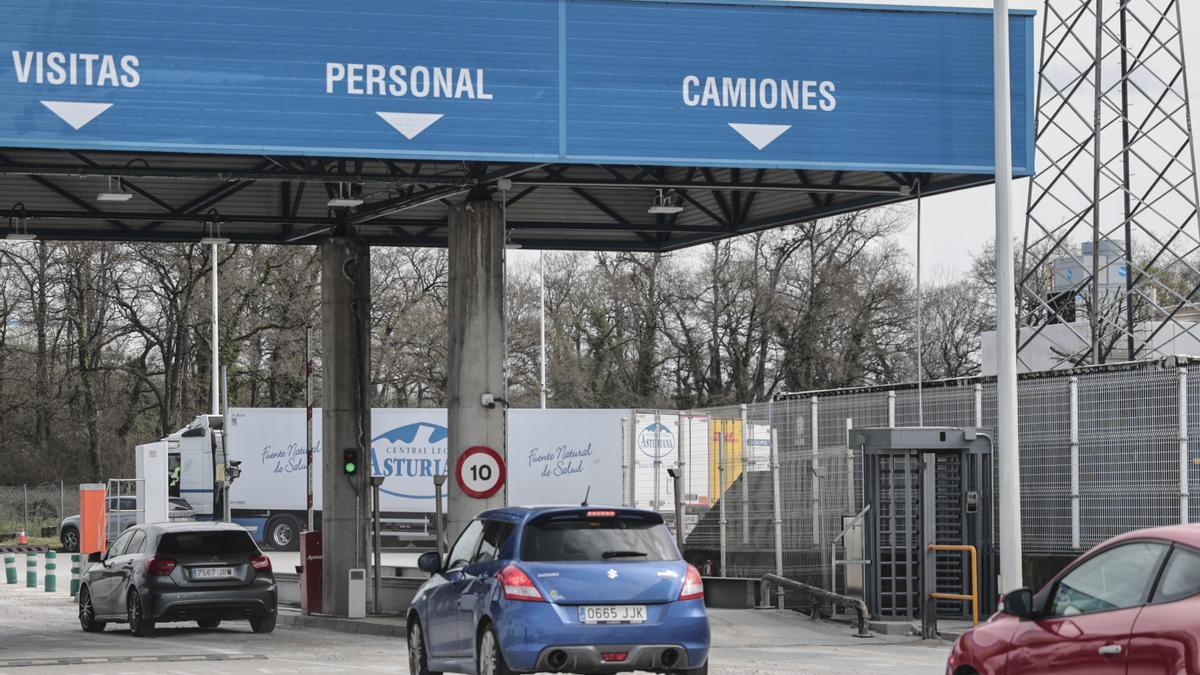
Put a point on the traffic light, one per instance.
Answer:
(350, 461)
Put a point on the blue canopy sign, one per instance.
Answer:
(773, 84)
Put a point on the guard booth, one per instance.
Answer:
(928, 487)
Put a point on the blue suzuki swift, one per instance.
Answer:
(560, 589)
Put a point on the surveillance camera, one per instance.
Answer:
(235, 463)
(487, 401)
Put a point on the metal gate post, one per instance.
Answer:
(680, 484)
(928, 571)
(1184, 489)
(1075, 505)
(849, 468)
(721, 489)
(871, 549)
(777, 520)
(914, 603)
(657, 461)
(632, 476)
(816, 496)
(745, 479)
(891, 409)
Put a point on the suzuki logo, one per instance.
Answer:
(612, 574)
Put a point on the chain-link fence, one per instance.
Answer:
(1103, 451)
(35, 508)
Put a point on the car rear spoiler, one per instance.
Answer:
(597, 512)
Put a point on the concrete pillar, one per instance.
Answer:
(477, 347)
(345, 413)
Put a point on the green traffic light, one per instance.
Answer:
(351, 468)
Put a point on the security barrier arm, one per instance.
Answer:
(859, 607)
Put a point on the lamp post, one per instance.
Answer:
(1009, 462)
(542, 360)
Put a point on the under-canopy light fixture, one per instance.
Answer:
(345, 196)
(212, 229)
(664, 203)
(116, 191)
(18, 225)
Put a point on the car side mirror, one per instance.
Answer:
(430, 562)
(1018, 603)
(95, 557)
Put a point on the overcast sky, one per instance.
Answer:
(958, 225)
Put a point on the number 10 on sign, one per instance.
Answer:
(480, 472)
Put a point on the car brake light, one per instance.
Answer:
(160, 567)
(261, 563)
(693, 585)
(611, 657)
(518, 585)
(601, 514)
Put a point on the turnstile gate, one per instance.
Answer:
(926, 486)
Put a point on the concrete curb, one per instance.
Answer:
(386, 626)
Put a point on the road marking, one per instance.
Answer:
(98, 660)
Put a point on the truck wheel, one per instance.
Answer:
(283, 534)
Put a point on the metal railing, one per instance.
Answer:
(858, 606)
(973, 598)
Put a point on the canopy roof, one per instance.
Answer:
(283, 121)
(265, 199)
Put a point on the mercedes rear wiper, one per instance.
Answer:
(624, 554)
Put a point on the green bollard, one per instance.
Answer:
(10, 568)
(51, 571)
(74, 574)
(30, 569)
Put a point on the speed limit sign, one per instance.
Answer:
(480, 472)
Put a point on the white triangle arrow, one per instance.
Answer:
(760, 135)
(76, 113)
(409, 124)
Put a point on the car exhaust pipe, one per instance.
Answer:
(669, 658)
(557, 659)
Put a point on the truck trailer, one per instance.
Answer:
(554, 456)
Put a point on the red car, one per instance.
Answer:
(1130, 605)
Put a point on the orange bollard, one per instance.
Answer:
(22, 539)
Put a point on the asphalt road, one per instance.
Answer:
(39, 633)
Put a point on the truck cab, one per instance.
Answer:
(196, 465)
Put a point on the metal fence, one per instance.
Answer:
(34, 508)
(1103, 451)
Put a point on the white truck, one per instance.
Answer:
(554, 456)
